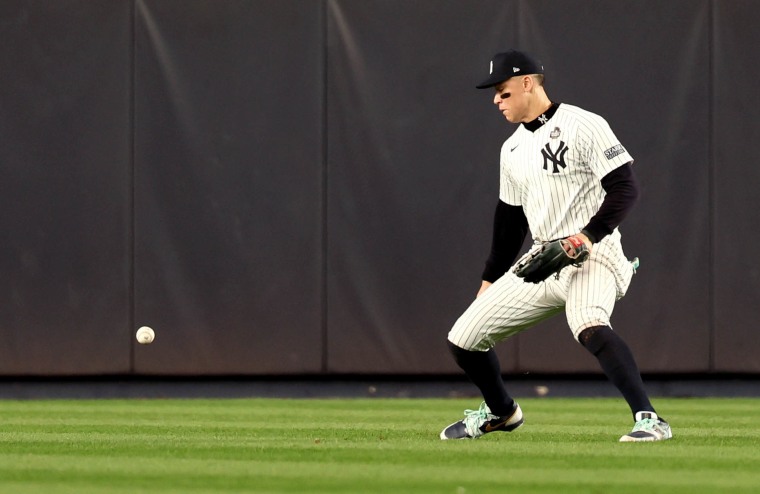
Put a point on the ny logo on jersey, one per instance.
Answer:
(556, 157)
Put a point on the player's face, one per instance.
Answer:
(510, 98)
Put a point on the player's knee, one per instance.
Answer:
(588, 317)
(469, 341)
(454, 349)
(463, 335)
(455, 342)
(459, 353)
(595, 338)
(465, 359)
(602, 338)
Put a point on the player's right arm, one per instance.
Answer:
(621, 193)
(510, 226)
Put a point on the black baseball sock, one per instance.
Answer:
(618, 364)
(484, 371)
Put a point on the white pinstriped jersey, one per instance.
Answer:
(555, 172)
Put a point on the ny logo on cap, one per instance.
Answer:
(515, 69)
(490, 70)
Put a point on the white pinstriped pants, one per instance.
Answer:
(509, 306)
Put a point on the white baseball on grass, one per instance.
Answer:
(145, 335)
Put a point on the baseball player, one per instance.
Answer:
(566, 178)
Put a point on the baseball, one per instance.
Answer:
(145, 335)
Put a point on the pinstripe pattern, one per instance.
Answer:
(510, 306)
(555, 174)
(559, 204)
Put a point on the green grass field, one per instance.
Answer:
(370, 445)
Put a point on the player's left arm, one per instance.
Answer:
(622, 192)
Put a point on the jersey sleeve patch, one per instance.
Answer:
(615, 150)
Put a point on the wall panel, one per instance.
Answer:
(228, 186)
(412, 177)
(64, 187)
(736, 206)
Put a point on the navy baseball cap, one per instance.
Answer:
(510, 64)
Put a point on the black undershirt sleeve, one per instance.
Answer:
(510, 226)
(622, 192)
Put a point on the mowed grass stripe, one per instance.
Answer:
(362, 476)
(367, 445)
(530, 445)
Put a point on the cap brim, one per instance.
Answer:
(492, 81)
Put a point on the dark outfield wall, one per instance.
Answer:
(307, 187)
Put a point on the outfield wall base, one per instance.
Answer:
(364, 387)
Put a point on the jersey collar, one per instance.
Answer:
(536, 124)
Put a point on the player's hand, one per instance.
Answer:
(483, 287)
(585, 239)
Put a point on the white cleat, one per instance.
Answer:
(649, 427)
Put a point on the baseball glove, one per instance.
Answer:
(550, 258)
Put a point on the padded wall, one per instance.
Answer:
(228, 186)
(307, 187)
(411, 178)
(735, 214)
(65, 186)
